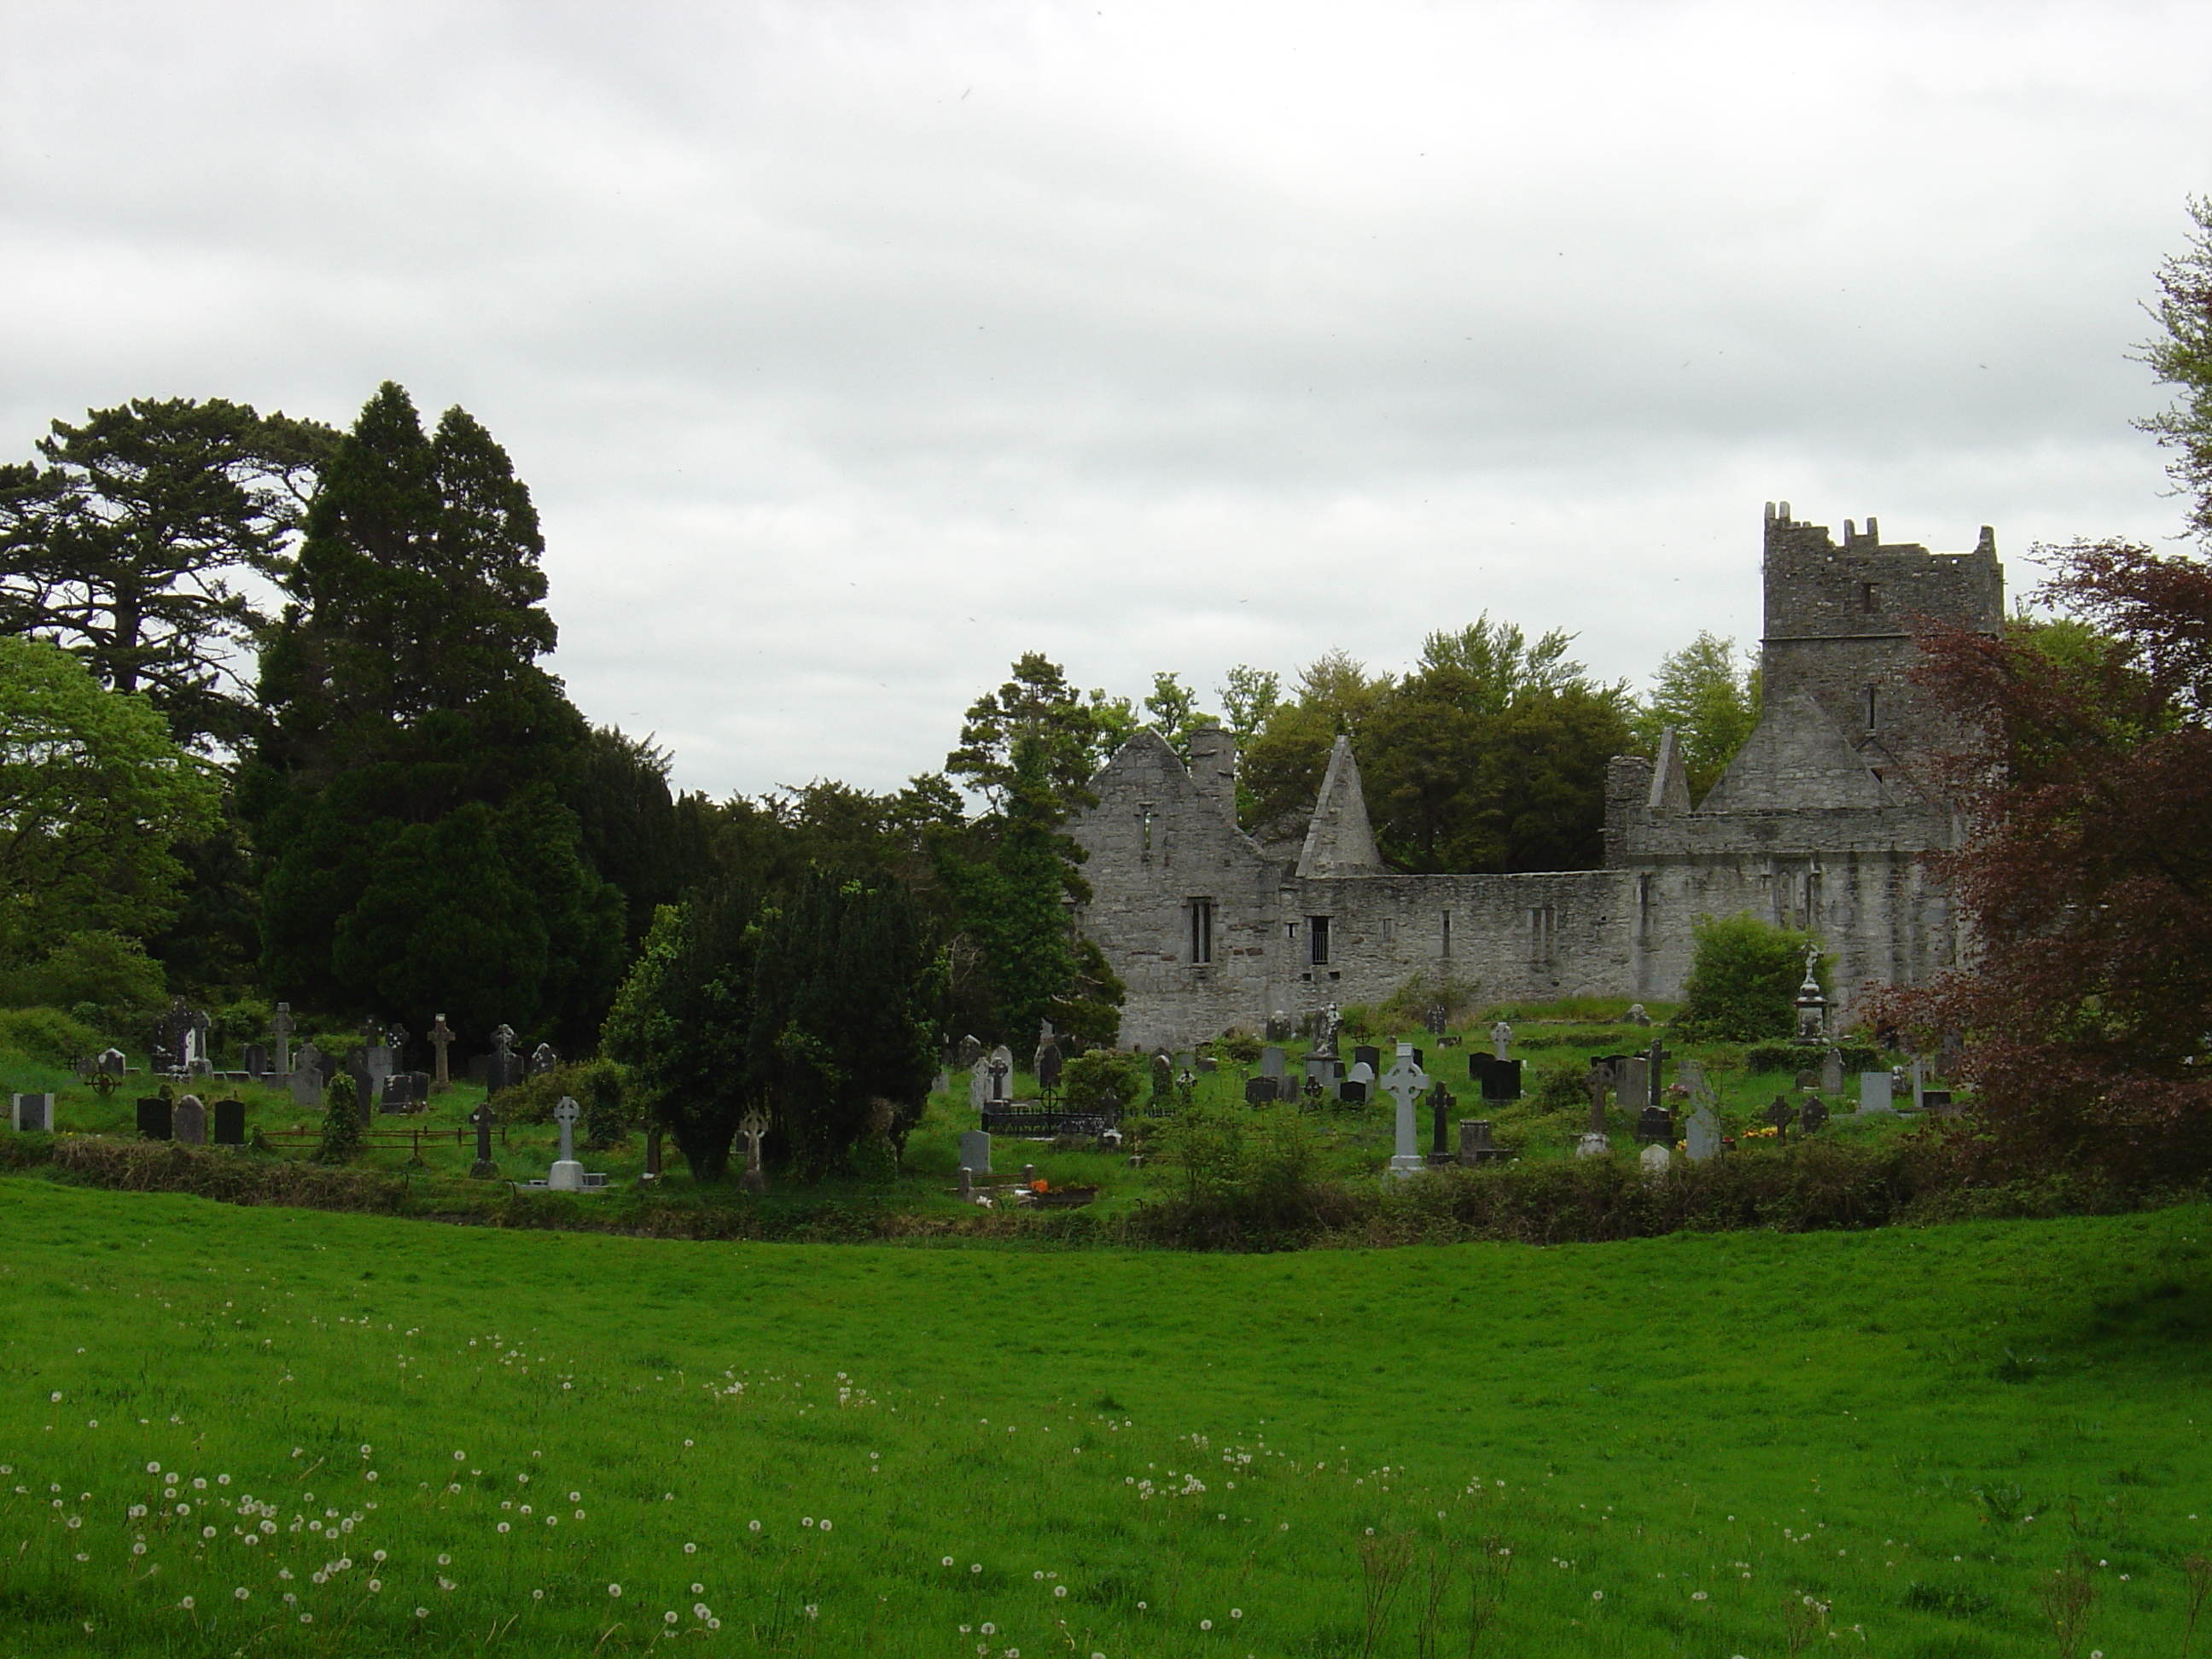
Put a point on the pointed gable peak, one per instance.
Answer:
(1339, 840)
(1796, 760)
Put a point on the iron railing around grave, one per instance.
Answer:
(1018, 1124)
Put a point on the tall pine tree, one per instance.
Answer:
(409, 791)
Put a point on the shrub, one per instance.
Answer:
(341, 1122)
(1239, 1047)
(1744, 976)
(532, 1100)
(1088, 1079)
(1807, 1057)
(103, 978)
(606, 1115)
(1561, 1086)
(47, 1034)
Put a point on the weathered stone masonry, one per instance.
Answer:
(1821, 822)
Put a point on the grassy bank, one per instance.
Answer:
(1679, 1440)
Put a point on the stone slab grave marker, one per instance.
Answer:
(1474, 1145)
(1632, 1084)
(566, 1176)
(1831, 1071)
(1363, 1071)
(32, 1114)
(1501, 1037)
(156, 1117)
(1049, 1065)
(502, 1066)
(1702, 1135)
(1811, 1116)
(1278, 1027)
(652, 1154)
(975, 1152)
(112, 1062)
(188, 1123)
(1637, 1016)
(306, 1077)
(1259, 1091)
(543, 1058)
(1655, 1125)
(1873, 1092)
(230, 1120)
(1440, 1105)
(257, 1060)
(971, 1052)
(1370, 1057)
(1352, 1091)
(1498, 1079)
(1657, 1158)
(1405, 1083)
(1271, 1061)
(280, 1027)
(440, 1035)
(480, 1120)
(754, 1127)
(1781, 1116)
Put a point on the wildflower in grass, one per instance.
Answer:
(241, 1593)
(1236, 1612)
(1597, 1595)
(1059, 1590)
(56, 1396)
(755, 1525)
(422, 1612)
(813, 1611)
(375, 1586)
(186, 1604)
(1206, 1623)
(975, 1567)
(447, 1584)
(948, 1561)
(615, 1590)
(1697, 1595)
(990, 1630)
(669, 1618)
(693, 1549)
(698, 1609)
(503, 1526)
(306, 1618)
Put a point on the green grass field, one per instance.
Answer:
(448, 1440)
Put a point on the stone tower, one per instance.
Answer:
(1839, 623)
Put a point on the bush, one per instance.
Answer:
(341, 1122)
(532, 1100)
(1088, 1079)
(103, 978)
(1794, 1057)
(47, 1034)
(1237, 1046)
(1744, 976)
(1561, 1086)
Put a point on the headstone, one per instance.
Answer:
(1779, 1116)
(756, 1178)
(1655, 1063)
(1186, 1061)
(975, 1152)
(1702, 1138)
(396, 1038)
(1811, 1115)
(543, 1058)
(1653, 1125)
(1259, 1091)
(1499, 1079)
(1351, 1092)
(1637, 1016)
(970, 1051)
(652, 1153)
(1657, 1158)
(1001, 1071)
(967, 1185)
(156, 1118)
(979, 1086)
(257, 1060)
(1278, 1027)
(1873, 1092)
(1632, 1083)
(1474, 1145)
(1440, 1106)
(1690, 1077)
(1368, 1055)
(306, 1077)
(1501, 1035)
(112, 1062)
(280, 1027)
(1599, 1082)
(566, 1176)
(480, 1120)
(1271, 1061)
(32, 1114)
(1161, 1069)
(188, 1124)
(1592, 1145)
(1363, 1071)
(1831, 1071)
(1938, 1100)
(1405, 1083)
(502, 1066)
(1048, 1067)
(1919, 1084)
(230, 1123)
(440, 1035)
(1807, 1079)
(1324, 1068)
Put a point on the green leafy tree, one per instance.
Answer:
(93, 796)
(2181, 356)
(128, 548)
(103, 978)
(1012, 882)
(1744, 978)
(1281, 768)
(1175, 713)
(411, 790)
(681, 1022)
(1712, 701)
(1248, 696)
(848, 984)
(1073, 734)
(341, 1141)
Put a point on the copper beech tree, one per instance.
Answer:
(2086, 872)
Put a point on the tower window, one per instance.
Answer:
(1447, 933)
(1872, 707)
(1317, 941)
(1202, 930)
(1869, 598)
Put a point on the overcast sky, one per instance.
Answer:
(851, 351)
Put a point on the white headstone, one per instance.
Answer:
(1406, 1083)
(1873, 1092)
(566, 1176)
(1703, 1136)
(1361, 1072)
(979, 1086)
(1656, 1161)
(975, 1152)
(1592, 1145)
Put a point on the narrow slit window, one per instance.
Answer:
(1869, 598)
(1447, 933)
(1202, 930)
(1872, 707)
(1317, 941)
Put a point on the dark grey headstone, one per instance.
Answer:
(1501, 1080)
(1811, 1116)
(1271, 1061)
(1370, 1053)
(156, 1118)
(230, 1123)
(1351, 1094)
(188, 1124)
(257, 1060)
(1259, 1091)
(32, 1114)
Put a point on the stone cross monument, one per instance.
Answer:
(481, 1120)
(1405, 1082)
(440, 1035)
(566, 1176)
(1501, 1035)
(280, 1027)
(753, 1127)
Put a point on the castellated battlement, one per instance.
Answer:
(1822, 822)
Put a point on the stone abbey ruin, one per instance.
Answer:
(1821, 823)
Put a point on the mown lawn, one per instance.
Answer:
(1678, 1440)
